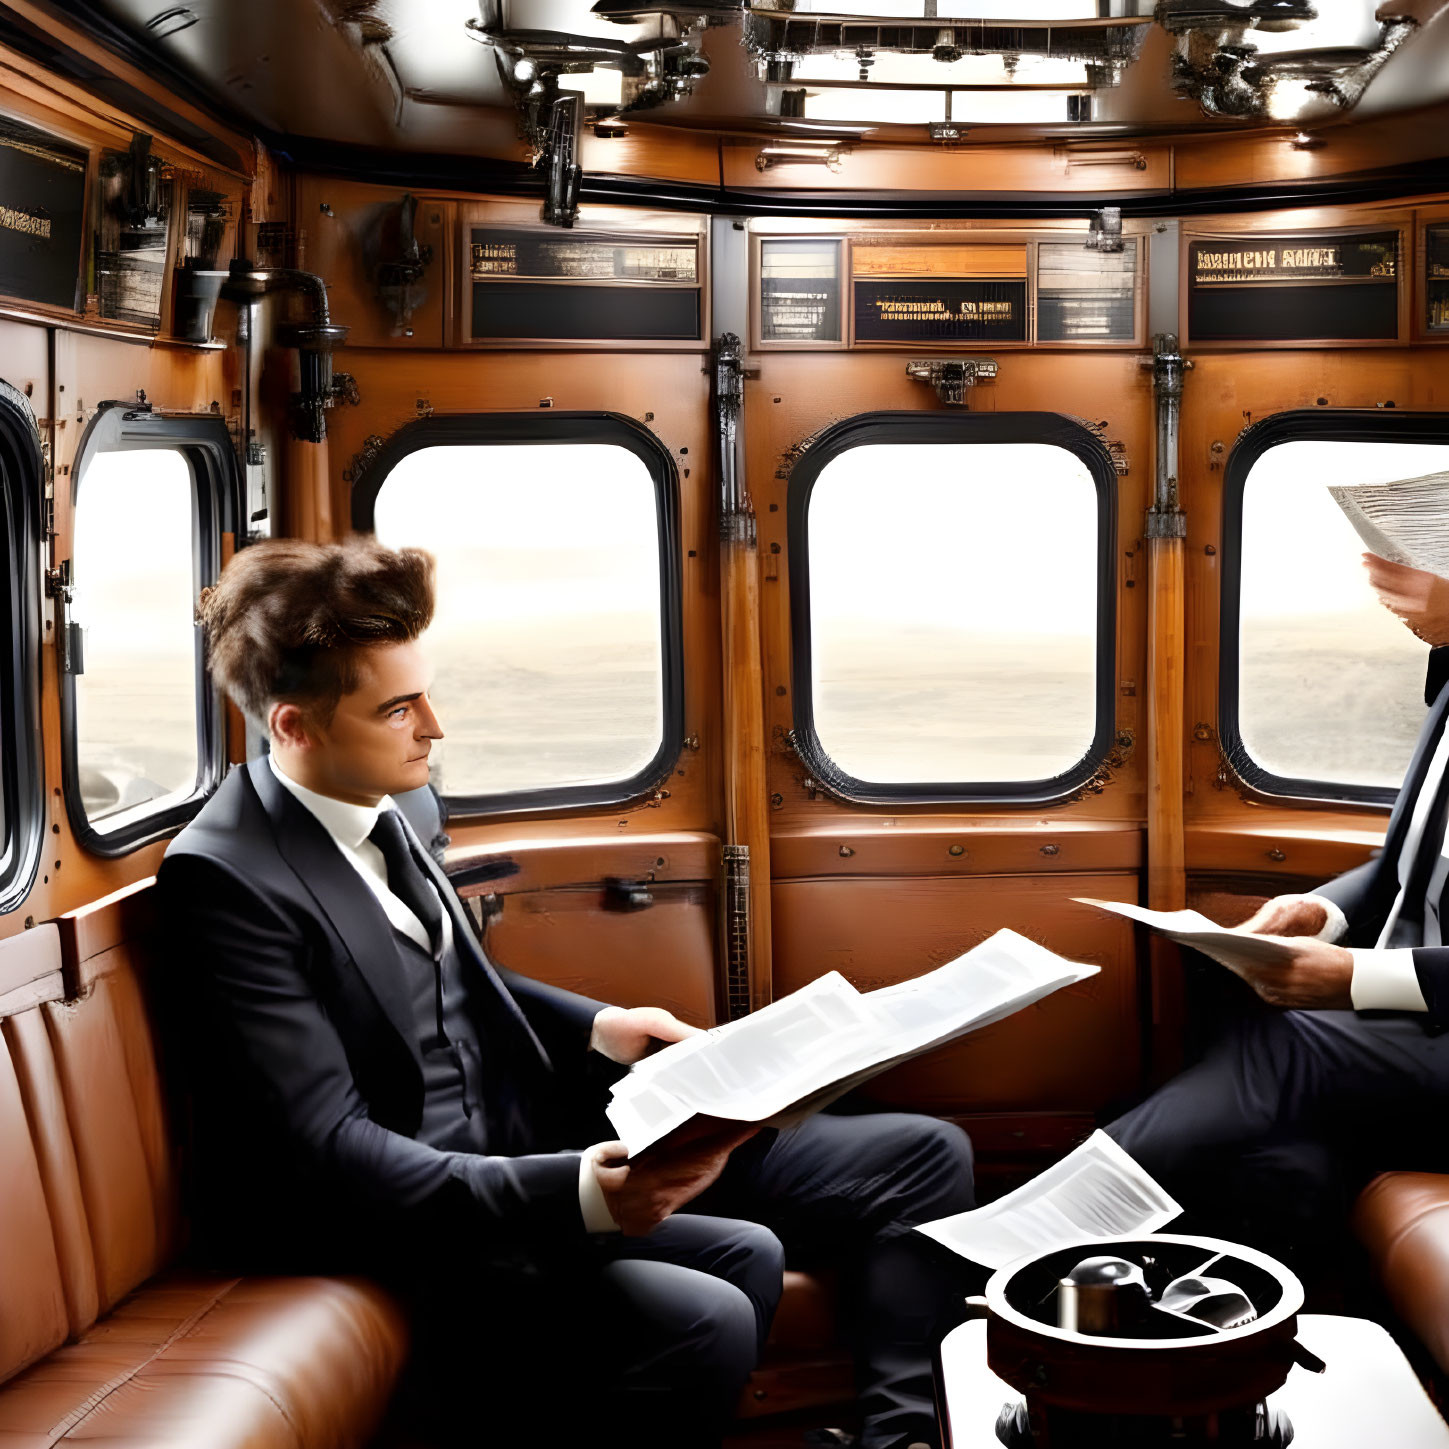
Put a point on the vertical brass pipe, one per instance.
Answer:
(1167, 648)
(747, 823)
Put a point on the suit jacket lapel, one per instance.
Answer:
(344, 899)
(1414, 783)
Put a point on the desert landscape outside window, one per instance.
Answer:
(547, 636)
(1330, 684)
(954, 633)
(135, 599)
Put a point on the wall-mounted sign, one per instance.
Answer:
(504, 252)
(1436, 278)
(940, 311)
(800, 291)
(131, 243)
(1290, 288)
(534, 286)
(42, 209)
(1085, 296)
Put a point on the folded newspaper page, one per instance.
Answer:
(1098, 1191)
(1227, 945)
(796, 1055)
(1406, 521)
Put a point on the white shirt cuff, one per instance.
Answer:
(1385, 981)
(1335, 928)
(595, 1210)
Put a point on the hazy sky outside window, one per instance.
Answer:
(1331, 684)
(135, 598)
(547, 633)
(953, 611)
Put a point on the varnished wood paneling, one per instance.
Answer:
(572, 857)
(1073, 1052)
(1005, 168)
(663, 955)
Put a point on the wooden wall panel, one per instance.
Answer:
(662, 955)
(1073, 1052)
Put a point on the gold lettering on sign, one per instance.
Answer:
(495, 258)
(25, 221)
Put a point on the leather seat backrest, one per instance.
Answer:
(105, 1057)
(40, 1297)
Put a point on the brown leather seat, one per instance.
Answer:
(1402, 1218)
(806, 1364)
(99, 1338)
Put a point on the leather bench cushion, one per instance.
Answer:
(1402, 1218)
(207, 1362)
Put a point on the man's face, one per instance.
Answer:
(378, 740)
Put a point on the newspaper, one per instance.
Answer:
(1227, 945)
(1406, 521)
(1098, 1191)
(789, 1059)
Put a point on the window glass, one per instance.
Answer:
(953, 611)
(547, 636)
(135, 599)
(1330, 684)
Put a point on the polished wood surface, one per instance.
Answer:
(747, 820)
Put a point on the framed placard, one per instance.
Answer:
(544, 286)
(1294, 288)
(799, 292)
(42, 216)
(1436, 278)
(1086, 296)
(939, 311)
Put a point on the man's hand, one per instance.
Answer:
(1418, 597)
(1316, 978)
(629, 1036)
(646, 1190)
(1287, 916)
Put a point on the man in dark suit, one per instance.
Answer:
(374, 1093)
(1289, 1111)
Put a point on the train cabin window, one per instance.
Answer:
(22, 804)
(143, 727)
(1322, 688)
(952, 596)
(556, 637)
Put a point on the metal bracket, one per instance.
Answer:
(363, 459)
(1165, 519)
(736, 512)
(951, 376)
(70, 638)
(627, 895)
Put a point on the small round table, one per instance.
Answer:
(1368, 1395)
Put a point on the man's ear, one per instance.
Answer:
(289, 725)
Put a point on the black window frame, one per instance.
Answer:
(1331, 425)
(955, 428)
(22, 774)
(550, 428)
(205, 442)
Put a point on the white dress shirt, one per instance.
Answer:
(349, 826)
(1384, 978)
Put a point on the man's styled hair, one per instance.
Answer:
(287, 618)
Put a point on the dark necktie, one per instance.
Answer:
(405, 878)
(407, 882)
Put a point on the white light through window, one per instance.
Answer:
(1330, 683)
(953, 609)
(546, 640)
(135, 598)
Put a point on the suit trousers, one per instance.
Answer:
(648, 1341)
(1287, 1115)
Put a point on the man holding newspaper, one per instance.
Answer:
(1292, 1109)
